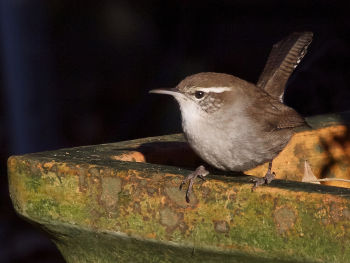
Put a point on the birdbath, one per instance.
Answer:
(120, 202)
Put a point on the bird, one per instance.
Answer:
(235, 125)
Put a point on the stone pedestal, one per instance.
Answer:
(120, 202)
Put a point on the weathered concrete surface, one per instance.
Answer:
(118, 203)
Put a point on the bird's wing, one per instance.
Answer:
(280, 116)
(283, 59)
(272, 114)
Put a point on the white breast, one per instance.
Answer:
(233, 146)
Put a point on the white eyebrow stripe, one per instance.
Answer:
(214, 89)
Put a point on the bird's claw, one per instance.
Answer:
(200, 172)
(267, 179)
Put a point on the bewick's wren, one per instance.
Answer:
(235, 125)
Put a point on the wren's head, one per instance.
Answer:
(204, 95)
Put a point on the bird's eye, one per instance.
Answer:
(199, 94)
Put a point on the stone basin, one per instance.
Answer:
(120, 202)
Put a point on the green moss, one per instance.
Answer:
(110, 211)
(73, 213)
(47, 209)
(33, 184)
(124, 198)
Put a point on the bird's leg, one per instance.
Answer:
(269, 176)
(200, 172)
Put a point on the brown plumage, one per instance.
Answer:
(283, 59)
(235, 125)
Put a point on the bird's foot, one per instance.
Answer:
(267, 179)
(200, 172)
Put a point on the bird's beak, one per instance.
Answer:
(173, 92)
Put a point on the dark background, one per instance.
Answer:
(78, 72)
